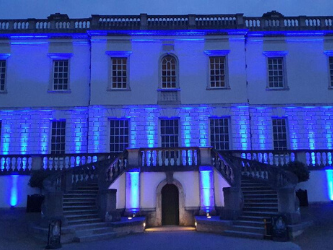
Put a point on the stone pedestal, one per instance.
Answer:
(52, 208)
(288, 204)
(233, 203)
(106, 202)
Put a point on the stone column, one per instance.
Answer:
(287, 204)
(52, 208)
(132, 192)
(207, 196)
(233, 203)
(106, 203)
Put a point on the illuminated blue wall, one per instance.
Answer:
(133, 191)
(207, 189)
(329, 174)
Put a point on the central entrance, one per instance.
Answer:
(170, 205)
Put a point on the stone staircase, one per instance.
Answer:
(80, 210)
(260, 203)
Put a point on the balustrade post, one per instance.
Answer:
(233, 203)
(301, 22)
(288, 204)
(134, 157)
(143, 21)
(191, 21)
(37, 163)
(240, 21)
(106, 204)
(52, 208)
(94, 21)
(32, 23)
(301, 156)
(205, 156)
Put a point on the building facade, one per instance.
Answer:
(109, 83)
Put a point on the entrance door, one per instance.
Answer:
(170, 205)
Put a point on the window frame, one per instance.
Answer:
(119, 135)
(177, 136)
(276, 54)
(160, 84)
(118, 54)
(60, 57)
(213, 144)
(329, 55)
(219, 54)
(286, 134)
(53, 136)
(4, 57)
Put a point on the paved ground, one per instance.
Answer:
(14, 235)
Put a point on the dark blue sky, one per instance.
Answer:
(84, 8)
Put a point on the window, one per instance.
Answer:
(60, 79)
(279, 133)
(2, 75)
(60, 75)
(331, 70)
(119, 135)
(169, 72)
(217, 72)
(119, 73)
(58, 137)
(169, 133)
(276, 73)
(219, 133)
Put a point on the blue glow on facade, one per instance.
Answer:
(13, 191)
(44, 134)
(187, 128)
(243, 132)
(6, 133)
(206, 178)
(24, 136)
(151, 128)
(329, 134)
(134, 199)
(329, 175)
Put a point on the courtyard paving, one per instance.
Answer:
(14, 235)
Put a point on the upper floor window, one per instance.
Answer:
(280, 133)
(119, 73)
(60, 78)
(217, 71)
(119, 135)
(169, 73)
(219, 133)
(60, 75)
(2, 75)
(119, 70)
(276, 73)
(331, 70)
(58, 137)
(169, 133)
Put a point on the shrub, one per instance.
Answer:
(37, 178)
(299, 169)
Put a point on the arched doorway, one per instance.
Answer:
(170, 205)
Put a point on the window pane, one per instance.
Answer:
(219, 133)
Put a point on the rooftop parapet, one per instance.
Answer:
(270, 21)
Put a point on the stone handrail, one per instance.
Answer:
(169, 157)
(60, 23)
(272, 175)
(230, 172)
(313, 159)
(24, 164)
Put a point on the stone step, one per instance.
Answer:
(248, 229)
(98, 230)
(80, 196)
(260, 209)
(259, 213)
(79, 212)
(250, 203)
(84, 221)
(95, 237)
(259, 196)
(242, 234)
(85, 226)
(253, 218)
(82, 216)
(265, 191)
(67, 208)
(79, 203)
(250, 223)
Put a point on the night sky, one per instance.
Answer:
(84, 8)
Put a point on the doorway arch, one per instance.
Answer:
(170, 205)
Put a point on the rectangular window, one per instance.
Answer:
(217, 71)
(275, 72)
(2, 75)
(119, 135)
(169, 133)
(331, 71)
(280, 133)
(60, 75)
(58, 137)
(219, 133)
(119, 72)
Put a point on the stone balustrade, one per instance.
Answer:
(61, 23)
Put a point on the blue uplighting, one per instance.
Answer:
(206, 177)
(329, 174)
(13, 191)
(134, 200)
